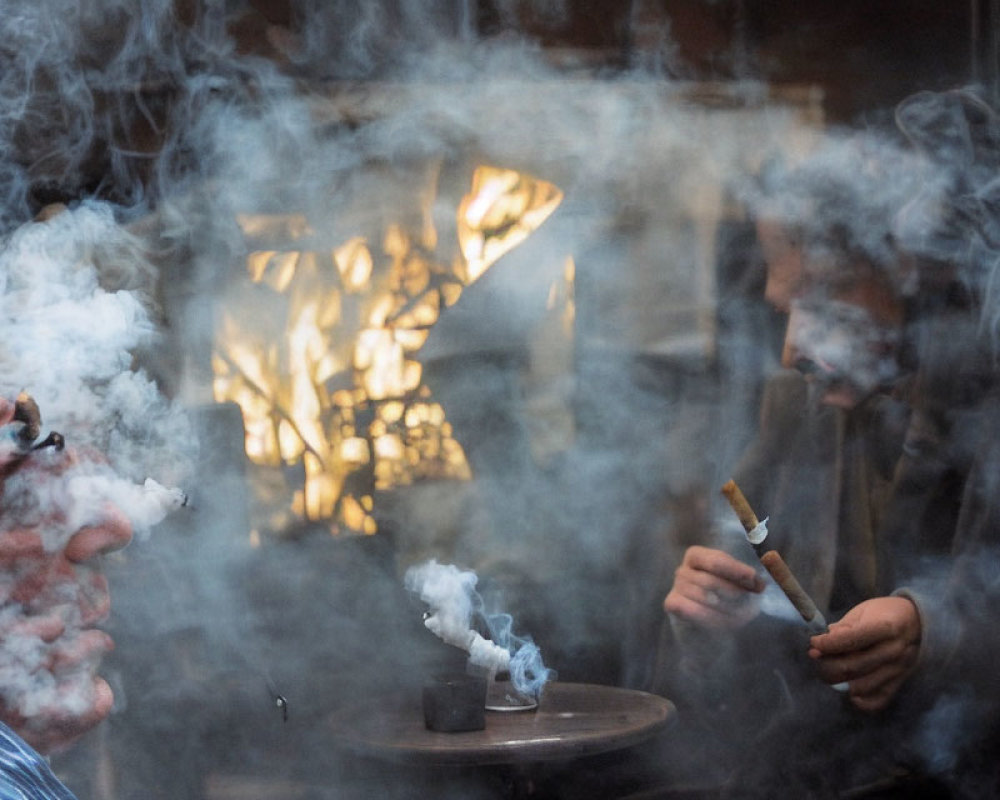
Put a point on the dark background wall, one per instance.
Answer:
(865, 54)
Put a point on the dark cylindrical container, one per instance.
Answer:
(454, 703)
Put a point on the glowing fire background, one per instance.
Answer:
(325, 378)
(463, 277)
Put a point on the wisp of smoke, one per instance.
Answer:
(70, 343)
(454, 607)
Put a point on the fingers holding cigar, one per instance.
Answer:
(714, 589)
(720, 564)
(874, 648)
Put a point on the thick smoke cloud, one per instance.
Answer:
(139, 116)
(455, 609)
(70, 342)
(159, 123)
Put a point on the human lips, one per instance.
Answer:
(835, 387)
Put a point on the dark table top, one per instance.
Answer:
(572, 720)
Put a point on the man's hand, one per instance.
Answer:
(713, 589)
(50, 650)
(873, 648)
(52, 595)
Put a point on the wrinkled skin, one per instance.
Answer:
(51, 597)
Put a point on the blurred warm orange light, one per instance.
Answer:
(353, 317)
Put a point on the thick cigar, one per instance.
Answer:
(777, 568)
(740, 505)
(775, 564)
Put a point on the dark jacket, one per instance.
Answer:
(899, 495)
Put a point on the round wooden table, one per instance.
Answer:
(572, 720)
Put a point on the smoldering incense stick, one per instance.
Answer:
(756, 532)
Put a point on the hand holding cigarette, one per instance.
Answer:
(873, 648)
(51, 594)
(713, 589)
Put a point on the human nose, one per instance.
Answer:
(113, 533)
(779, 289)
(804, 343)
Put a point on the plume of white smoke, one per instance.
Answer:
(455, 605)
(70, 343)
(611, 143)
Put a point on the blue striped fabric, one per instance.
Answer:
(24, 774)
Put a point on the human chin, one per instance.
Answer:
(846, 390)
(841, 395)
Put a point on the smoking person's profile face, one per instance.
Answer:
(842, 333)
